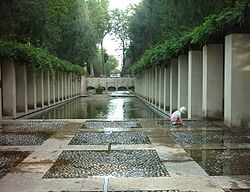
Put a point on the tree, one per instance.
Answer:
(100, 19)
(120, 28)
(157, 21)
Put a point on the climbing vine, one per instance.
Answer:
(214, 26)
(36, 58)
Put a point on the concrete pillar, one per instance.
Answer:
(58, 86)
(173, 85)
(182, 81)
(21, 88)
(31, 80)
(40, 90)
(212, 89)
(53, 89)
(83, 85)
(237, 80)
(46, 87)
(164, 89)
(1, 107)
(9, 88)
(62, 85)
(159, 88)
(167, 107)
(194, 83)
(155, 86)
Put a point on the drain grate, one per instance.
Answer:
(112, 124)
(9, 159)
(122, 163)
(105, 138)
(26, 138)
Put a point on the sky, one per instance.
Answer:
(109, 44)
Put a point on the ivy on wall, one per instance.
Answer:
(214, 26)
(36, 59)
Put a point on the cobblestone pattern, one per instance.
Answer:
(10, 139)
(104, 138)
(122, 163)
(188, 124)
(9, 159)
(34, 124)
(112, 124)
(200, 137)
(223, 162)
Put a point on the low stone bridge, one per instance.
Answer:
(111, 84)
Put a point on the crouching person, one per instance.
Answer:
(176, 116)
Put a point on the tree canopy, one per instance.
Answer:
(157, 23)
(70, 30)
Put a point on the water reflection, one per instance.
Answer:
(112, 108)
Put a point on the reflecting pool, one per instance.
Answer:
(100, 108)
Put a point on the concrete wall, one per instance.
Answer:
(9, 89)
(182, 81)
(212, 99)
(194, 84)
(237, 80)
(173, 85)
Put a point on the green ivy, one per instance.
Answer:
(36, 58)
(214, 26)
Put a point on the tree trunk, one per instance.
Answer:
(91, 70)
(103, 64)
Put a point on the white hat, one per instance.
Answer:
(183, 110)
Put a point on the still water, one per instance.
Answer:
(106, 108)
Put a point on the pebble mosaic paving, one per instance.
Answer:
(204, 137)
(105, 138)
(112, 124)
(34, 124)
(222, 162)
(188, 124)
(26, 138)
(9, 159)
(122, 163)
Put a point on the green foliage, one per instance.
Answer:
(36, 58)
(213, 27)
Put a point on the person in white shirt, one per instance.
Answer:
(176, 116)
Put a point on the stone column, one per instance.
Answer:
(1, 107)
(40, 89)
(212, 97)
(46, 86)
(182, 81)
(21, 88)
(237, 80)
(167, 107)
(173, 85)
(31, 79)
(62, 85)
(156, 87)
(159, 88)
(194, 83)
(164, 89)
(58, 88)
(9, 88)
(53, 90)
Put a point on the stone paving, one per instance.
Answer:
(161, 165)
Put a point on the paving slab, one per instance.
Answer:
(233, 181)
(186, 168)
(196, 184)
(172, 154)
(133, 184)
(20, 182)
